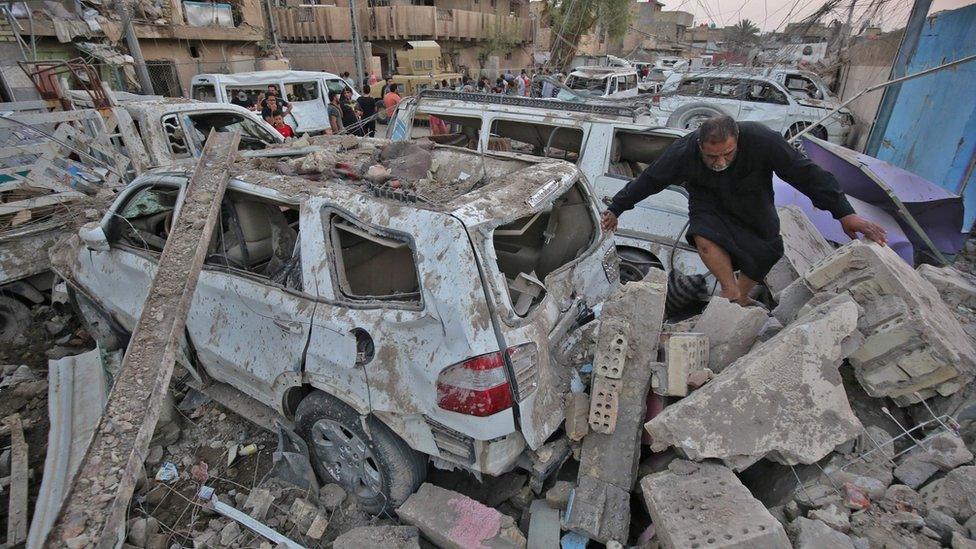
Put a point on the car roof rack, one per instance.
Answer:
(630, 110)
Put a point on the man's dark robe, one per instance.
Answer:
(734, 208)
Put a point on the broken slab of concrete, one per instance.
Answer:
(942, 451)
(815, 534)
(955, 287)
(598, 510)
(784, 400)
(543, 525)
(614, 457)
(954, 494)
(803, 246)
(697, 505)
(731, 330)
(455, 521)
(791, 300)
(388, 537)
(914, 346)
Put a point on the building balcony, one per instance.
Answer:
(332, 24)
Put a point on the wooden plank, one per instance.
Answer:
(96, 504)
(17, 510)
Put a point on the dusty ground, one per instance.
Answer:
(207, 431)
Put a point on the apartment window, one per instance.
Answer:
(422, 2)
(165, 80)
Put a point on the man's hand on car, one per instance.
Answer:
(608, 222)
(854, 224)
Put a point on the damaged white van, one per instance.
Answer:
(392, 321)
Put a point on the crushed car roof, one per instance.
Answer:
(473, 187)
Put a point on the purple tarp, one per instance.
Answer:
(830, 227)
(937, 211)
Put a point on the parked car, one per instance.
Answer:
(600, 82)
(391, 326)
(307, 91)
(610, 142)
(141, 131)
(687, 99)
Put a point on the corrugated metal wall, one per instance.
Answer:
(932, 129)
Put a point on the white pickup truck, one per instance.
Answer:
(54, 163)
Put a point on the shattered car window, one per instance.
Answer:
(260, 237)
(146, 220)
(253, 136)
(530, 248)
(373, 266)
(595, 87)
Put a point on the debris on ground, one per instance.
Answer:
(454, 521)
(843, 416)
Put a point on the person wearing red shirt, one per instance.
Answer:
(284, 129)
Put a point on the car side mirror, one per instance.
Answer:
(94, 237)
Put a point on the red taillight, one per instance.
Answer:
(476, 387)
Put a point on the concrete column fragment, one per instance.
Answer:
(695, 505)
(914, 346)
(637, 311)
(731, 330)
(614, 457)
(803, 246)
(455, 521)
(784, 400)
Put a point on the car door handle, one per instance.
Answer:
(288, 326)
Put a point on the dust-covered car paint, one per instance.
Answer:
(384, 355)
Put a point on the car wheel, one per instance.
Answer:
(14, 319)
(689, 117)
(635, 264)
(819, 132)
(366, 458)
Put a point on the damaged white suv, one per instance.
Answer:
(391, 321)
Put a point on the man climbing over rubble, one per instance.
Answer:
(728, 168)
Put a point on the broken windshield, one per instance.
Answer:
(594, 87)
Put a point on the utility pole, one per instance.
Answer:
(848, 28)
(272, 25)
(357, 43)
(132, 41)
(899, 68)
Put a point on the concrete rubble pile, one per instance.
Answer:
(757, 429)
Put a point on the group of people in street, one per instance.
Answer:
(358, 116)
